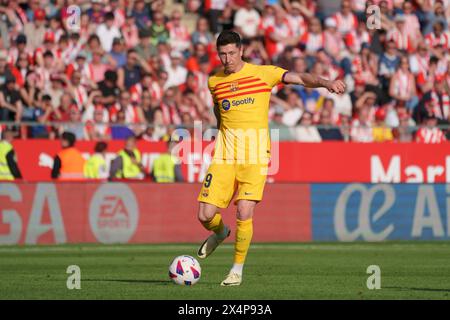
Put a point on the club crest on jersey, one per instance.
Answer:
(226, 105)
(234, 86)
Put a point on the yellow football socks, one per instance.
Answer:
(215, 224)
(244, 233)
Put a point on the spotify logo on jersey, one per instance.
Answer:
(226, 105)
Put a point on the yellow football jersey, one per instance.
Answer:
(243, 100)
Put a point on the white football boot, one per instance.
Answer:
(211, 243)
(233, 279)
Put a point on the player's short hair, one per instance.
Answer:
(228, 37)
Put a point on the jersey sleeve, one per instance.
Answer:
(272, 75)
(211, 85)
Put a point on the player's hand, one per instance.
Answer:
(337, 86)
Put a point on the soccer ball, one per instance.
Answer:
(185, 270)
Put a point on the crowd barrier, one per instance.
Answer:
(291, 161)
(53, 213)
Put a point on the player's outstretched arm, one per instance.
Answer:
(313, 81)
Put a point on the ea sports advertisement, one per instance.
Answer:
(49, 213)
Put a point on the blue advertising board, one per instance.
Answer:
(376, 212)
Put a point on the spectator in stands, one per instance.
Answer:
(412, 23)
(96, 12)
(247, 20)
(74, 126)
(214, 12)
(202, 33)
(345, 126)
(334, 44)
(35, 30)
(56, 88)
(381, 133)
(297, 15)
(193, 62)
(158, 29)
(429, 132)
(9, 169)
(387, 15)
(141, 14)
(68, 164)
(97, 128)
(118, 53)
(98, 66)
(119, 129)
(77, 89)
(107, 31)
(167, 167)
(43, 113)
(362, 127)
(293, 108)
(389, 62)
(21, 68)
(38, 46)
(5, 70)
(326, 130)
(437, 37)
(313, 40)
(128, 163)
(130, 74)
(357, 37)
(96, 167)
(145, 48)
(365, 67)
(130, 32)
(176, 71)
(276, 126)
(305, 131)
(400, 35)
(403, 133)
(440, 100)
(11, 107)
(108, 88)
(419, 61)
(403, 86)
(178, 33)
(256, 53)
(345, 19)
(434, 15)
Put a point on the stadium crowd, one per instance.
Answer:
(117, 68)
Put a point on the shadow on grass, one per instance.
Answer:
(418, 289)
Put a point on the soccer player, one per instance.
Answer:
(241, 93)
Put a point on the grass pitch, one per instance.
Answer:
(409, 270)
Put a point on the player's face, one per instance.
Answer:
(231, 57)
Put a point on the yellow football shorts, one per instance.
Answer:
(224, 179)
